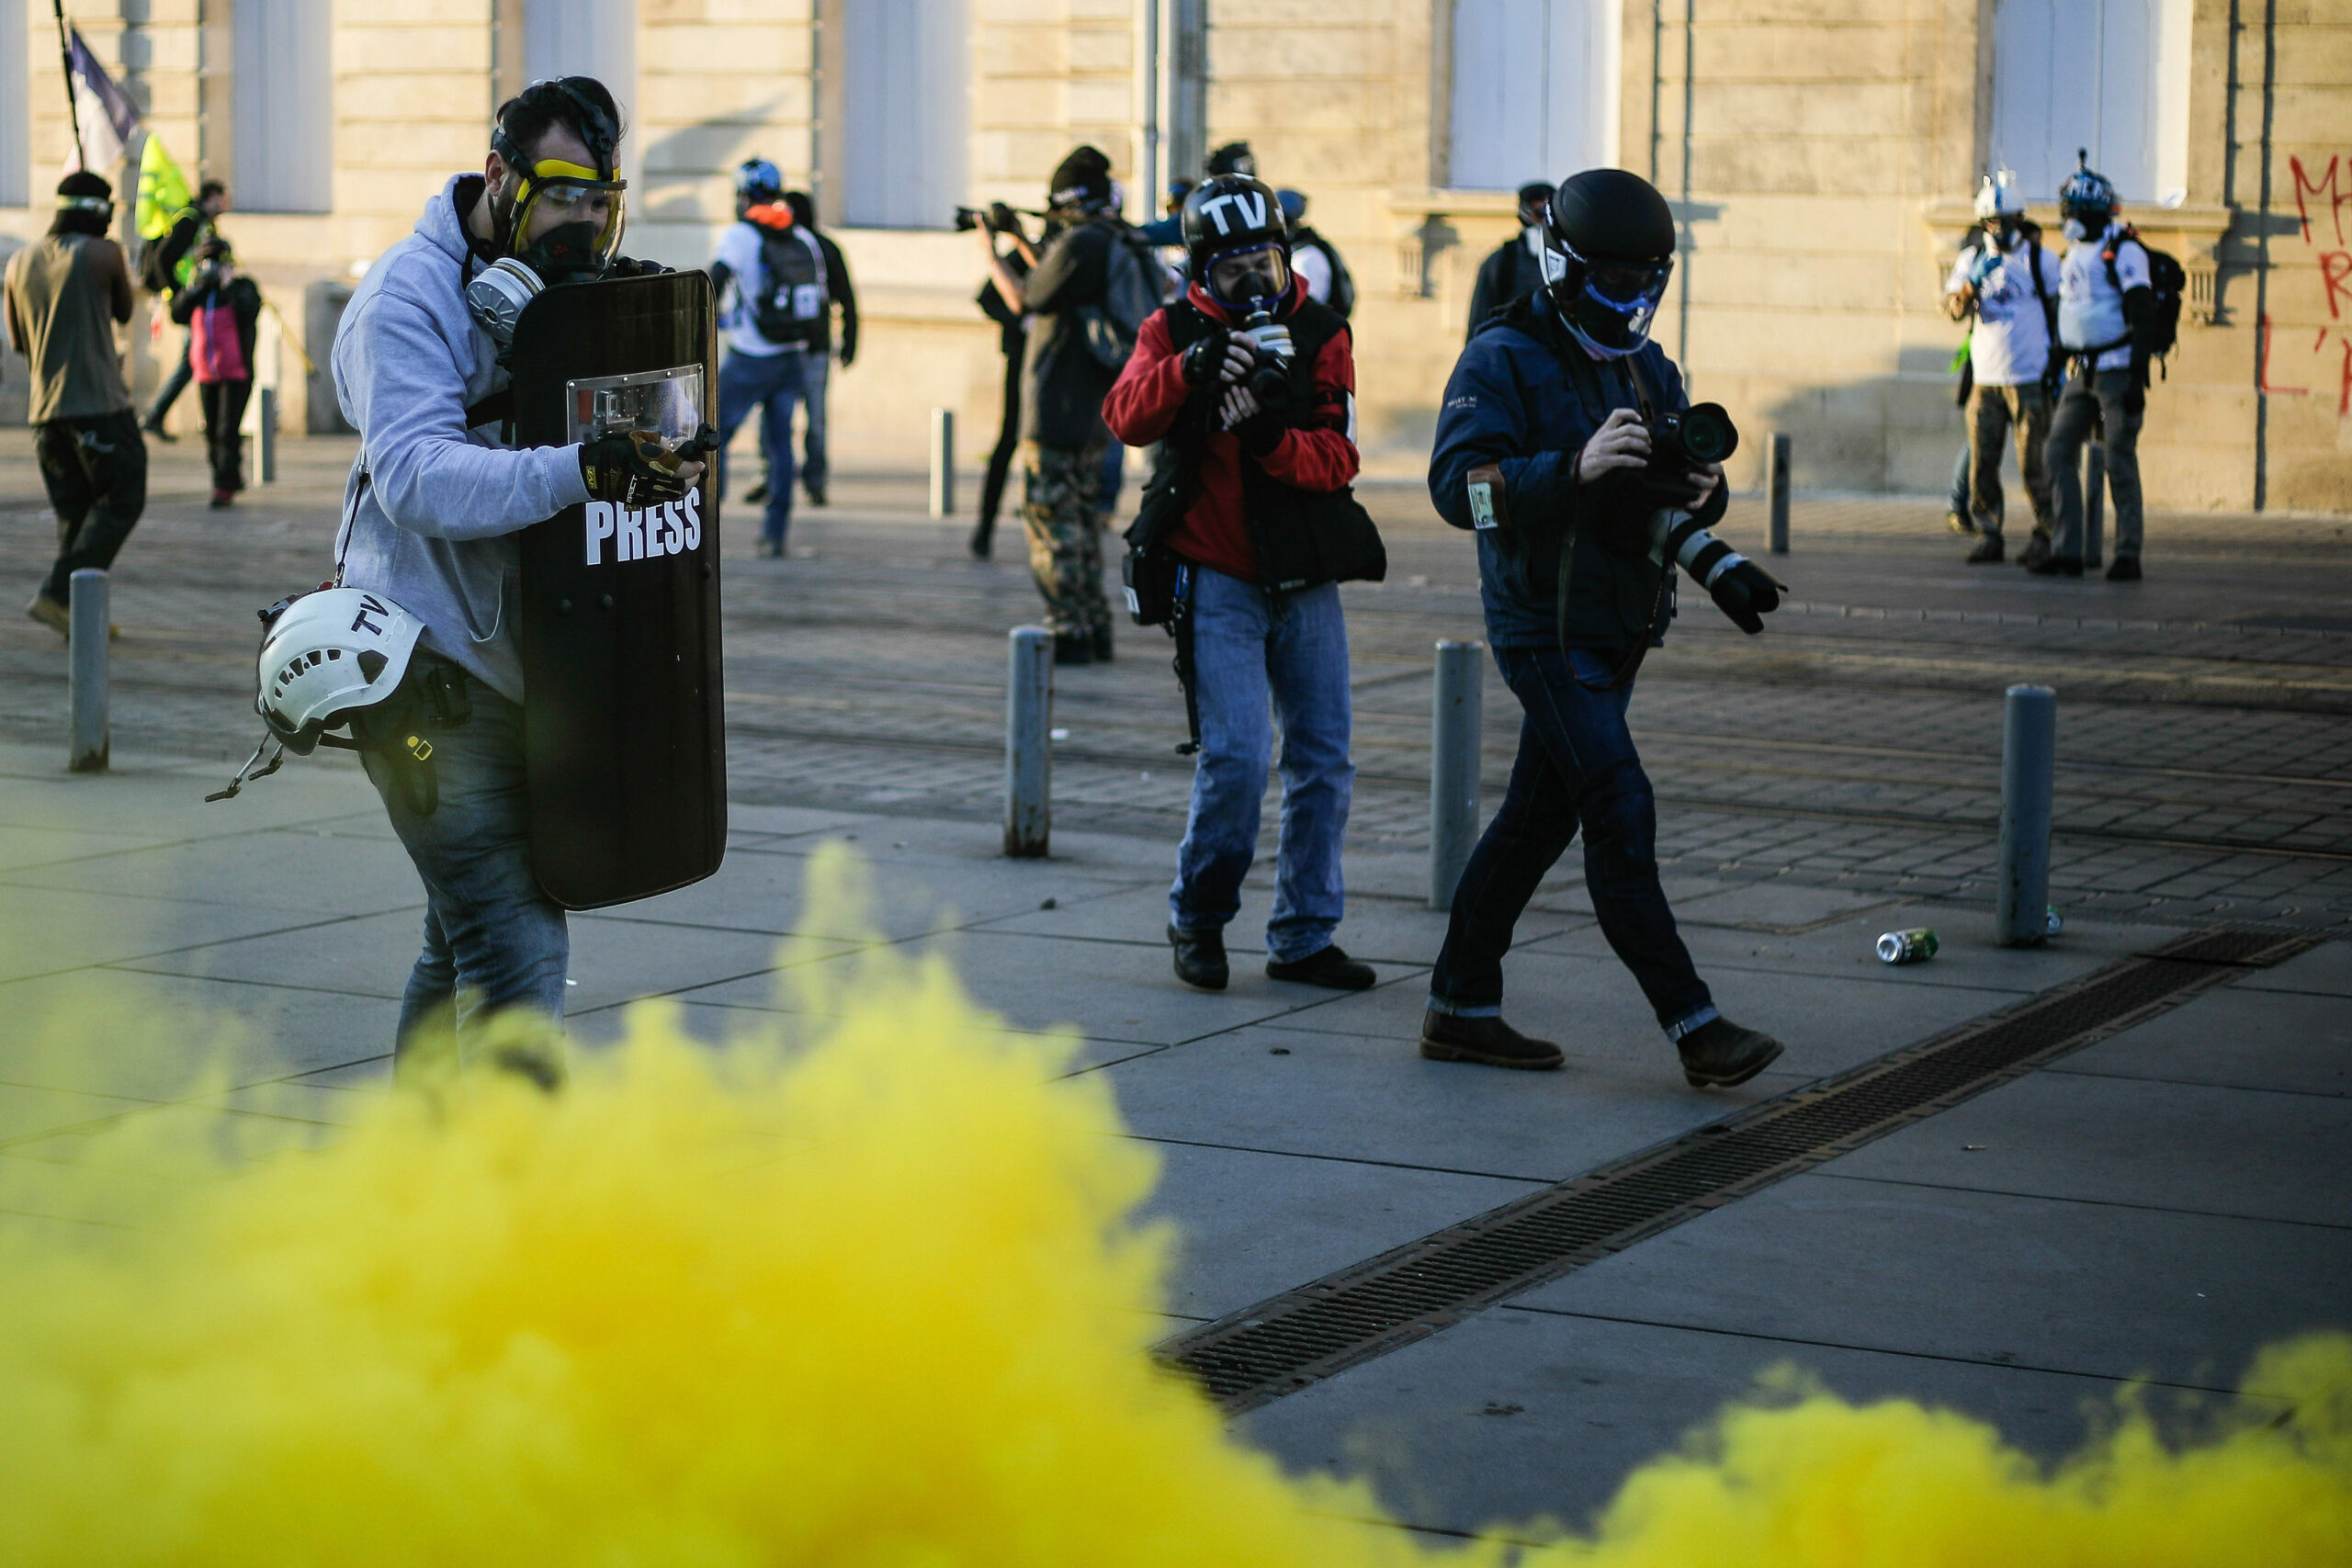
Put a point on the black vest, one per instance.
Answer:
(1302, 538)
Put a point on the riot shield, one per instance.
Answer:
(622, 717)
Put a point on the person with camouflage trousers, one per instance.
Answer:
(1063, 437)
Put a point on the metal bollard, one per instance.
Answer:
(2093, 504)
(943, 464)
(1454, 704)
(1028, 763)
(2028, 759)
(86, 741)
(1776, 488)
(266, 439)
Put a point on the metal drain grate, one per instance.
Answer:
(1371, 1308)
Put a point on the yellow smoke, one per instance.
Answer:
(863, 1289)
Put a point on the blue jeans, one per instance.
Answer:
(1577, 767)
(771, 383)
(1957, 500)
(1250, 646)
(493, 940)
(1114, 471)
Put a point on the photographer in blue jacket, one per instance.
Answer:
(1568, 444)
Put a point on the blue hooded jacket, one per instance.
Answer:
(1514, 401)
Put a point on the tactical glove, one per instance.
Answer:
(635, 468)
(1205, 360)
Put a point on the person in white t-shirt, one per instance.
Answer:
(2009, 284)
(2107, 324)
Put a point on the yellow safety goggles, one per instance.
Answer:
(575, 194)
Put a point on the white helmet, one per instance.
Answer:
(327, 654)
(1998, 197)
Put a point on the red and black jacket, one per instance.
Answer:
(1255, 492)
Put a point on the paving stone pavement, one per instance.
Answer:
(2156, 1207)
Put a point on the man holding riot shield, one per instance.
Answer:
(454, 467)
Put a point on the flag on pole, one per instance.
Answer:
(162, 190)
(108, 117)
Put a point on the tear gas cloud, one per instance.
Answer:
(863, 1286)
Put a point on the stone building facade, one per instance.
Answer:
(1821, 155)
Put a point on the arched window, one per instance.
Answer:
(1534, 90)
(2109, 76)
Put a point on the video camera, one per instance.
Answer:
(1697, 435)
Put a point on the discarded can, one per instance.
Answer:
(1915, 946)
(2053, 924)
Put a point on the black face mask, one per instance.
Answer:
(566, 253)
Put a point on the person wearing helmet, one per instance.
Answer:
(2009, 285)
(1545, 449)
(1515, 269)
(776, 304)
(2107, 333)
(1063, 441)
(432, 511)
(65, 293)
(1249, 387)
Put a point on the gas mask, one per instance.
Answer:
(1607, 306)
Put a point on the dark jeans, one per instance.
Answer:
(2097, 400)
(772, 384)
(95, 469)
(174, 384)
(224, 410)
(493, 940)
(1577, 767)
(1008, 444)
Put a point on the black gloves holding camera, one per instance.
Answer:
(1202, 362)
(636, 468)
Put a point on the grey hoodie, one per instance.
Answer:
(431, 509)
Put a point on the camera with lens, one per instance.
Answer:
(1697, 435)
(1269, 379)
(997, 217)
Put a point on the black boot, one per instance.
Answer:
(983, 538)
(1987, 551)
(2057, 566)
(1073, 648)
(2125, 569)
(2036, 551)
(1329, 968)
(1200, 957)
(1103, 644)
(1489, 1042)
(1720, 1053)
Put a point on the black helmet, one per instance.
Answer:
(2086, 197)
(1233, 158)
(1227, 214)
(1608, 255)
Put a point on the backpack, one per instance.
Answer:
(216, 347)
(791, 302)
(2167, 280)
(1134, 286)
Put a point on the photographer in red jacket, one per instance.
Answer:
(1250, 388)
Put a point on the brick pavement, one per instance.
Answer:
(2205, 723)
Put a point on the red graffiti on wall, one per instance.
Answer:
(2336, 200)
(2330, 193)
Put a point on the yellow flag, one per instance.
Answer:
(162, 190)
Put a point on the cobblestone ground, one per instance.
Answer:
(2205, 728)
